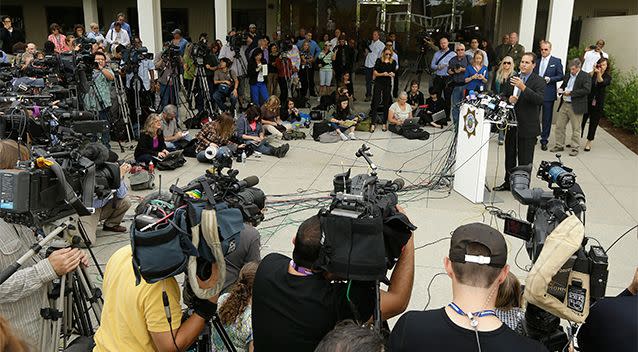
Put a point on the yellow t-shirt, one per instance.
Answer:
(130, 311)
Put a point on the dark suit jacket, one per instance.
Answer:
(527, 107)
(579, 94)
(145, 144)
(554, 71)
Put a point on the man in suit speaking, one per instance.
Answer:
(549, 68)
(526, 91)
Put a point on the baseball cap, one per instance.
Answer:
(482, 234)
(176, 31)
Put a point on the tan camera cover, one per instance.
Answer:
(559, 247)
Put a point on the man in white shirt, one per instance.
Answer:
(592, 55)
(373, 53)
(474, 47)
(117, 36)
(335, 41)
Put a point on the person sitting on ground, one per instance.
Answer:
(399, 112)
(508, 303)
(234, 309)
(295, 304)
(435, 104)
(250, 131)
(343, 121)
(216, 134)
(349, 336)
(416, 99)
(151, 143)
(477, 265)
(173, 137)
(226, 82)
(293, 116)
(270, 117)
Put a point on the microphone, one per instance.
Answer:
(249, 181)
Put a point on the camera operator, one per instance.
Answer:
(477, 265)
(99, 96)
(612, 323)
(238, 63)
(169, 64)
(203, 54)
(146, 72)
(25, 292)
(294, 306)
(111, 209)
(134, 317)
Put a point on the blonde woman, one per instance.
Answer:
(270, 118)
(503, 74)
(151, 141)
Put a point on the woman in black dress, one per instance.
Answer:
(383, 73)
(599, 82)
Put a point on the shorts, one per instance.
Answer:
(325, 77)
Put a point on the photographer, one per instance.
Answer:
(169, 64)
(237, 57)
(477, 266)
(99, 96)
(612, 323)
(202, 56)
(111, 209)
(25, 292)
(139, 64)
(294, 306)
(147, 317)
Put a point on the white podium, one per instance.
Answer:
(472, 149)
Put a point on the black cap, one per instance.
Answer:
(482, 234)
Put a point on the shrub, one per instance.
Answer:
(621, 104)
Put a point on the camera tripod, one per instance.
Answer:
(202, 89)
(123, 107)
(173, 88)
(75, 304)
(414, 70)
(136, 85)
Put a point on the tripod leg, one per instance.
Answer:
(86, 241)
(59, 306)
(93, 294)
(223, 334)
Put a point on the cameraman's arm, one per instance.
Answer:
(396, 299)
(108, 74)
(25, 282)
(184, 336)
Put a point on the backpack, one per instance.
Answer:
(289, 135)
(141, 180)
(329, 137)
(319, 128)
(171, 164)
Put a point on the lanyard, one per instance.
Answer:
(301, 269)
(472, 316)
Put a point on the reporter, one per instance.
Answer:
(270, 118)
(151, 143)
(295, 305)
(25, 292)
(99, 97)
(249, 130)
(134, 318)
(227, 83)
(218, 134)
(343, 121)
(173, 137)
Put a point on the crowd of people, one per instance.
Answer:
(255, 87)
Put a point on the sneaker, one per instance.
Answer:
(284, 149)
(352, 136)
(501, 142)
(556, 149)
(574, 152)
(343, 136)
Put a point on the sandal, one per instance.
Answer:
(372, 127)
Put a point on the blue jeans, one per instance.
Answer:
(548, 111)
(170, 146)
(258, 93)
(457, 96)
(368, 72)
(201, 156)
(219, 97)
(264, 147)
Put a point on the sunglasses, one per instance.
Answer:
(507, 63)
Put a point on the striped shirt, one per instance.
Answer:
(25, 292)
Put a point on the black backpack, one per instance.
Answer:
(171, 164)
(319, 128)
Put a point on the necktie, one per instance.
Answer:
(543, 67)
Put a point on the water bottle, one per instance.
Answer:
(243, 156)
(151, 167)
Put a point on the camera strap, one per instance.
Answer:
(474, 315)
(300, 269)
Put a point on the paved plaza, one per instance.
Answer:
(607, 175)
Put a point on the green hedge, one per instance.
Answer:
(621, 104)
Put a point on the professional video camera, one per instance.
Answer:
(579, 275)
(170, 54)
(364, 233)
(237, 41)
(133, 56)
(50, 186)
(200, 51)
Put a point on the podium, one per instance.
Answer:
(472, 150)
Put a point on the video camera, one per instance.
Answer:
(50, 186)
(581, 277)
(237, 41)
(200, 51)
(170, 54)
(133, 56)
(363, 232)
